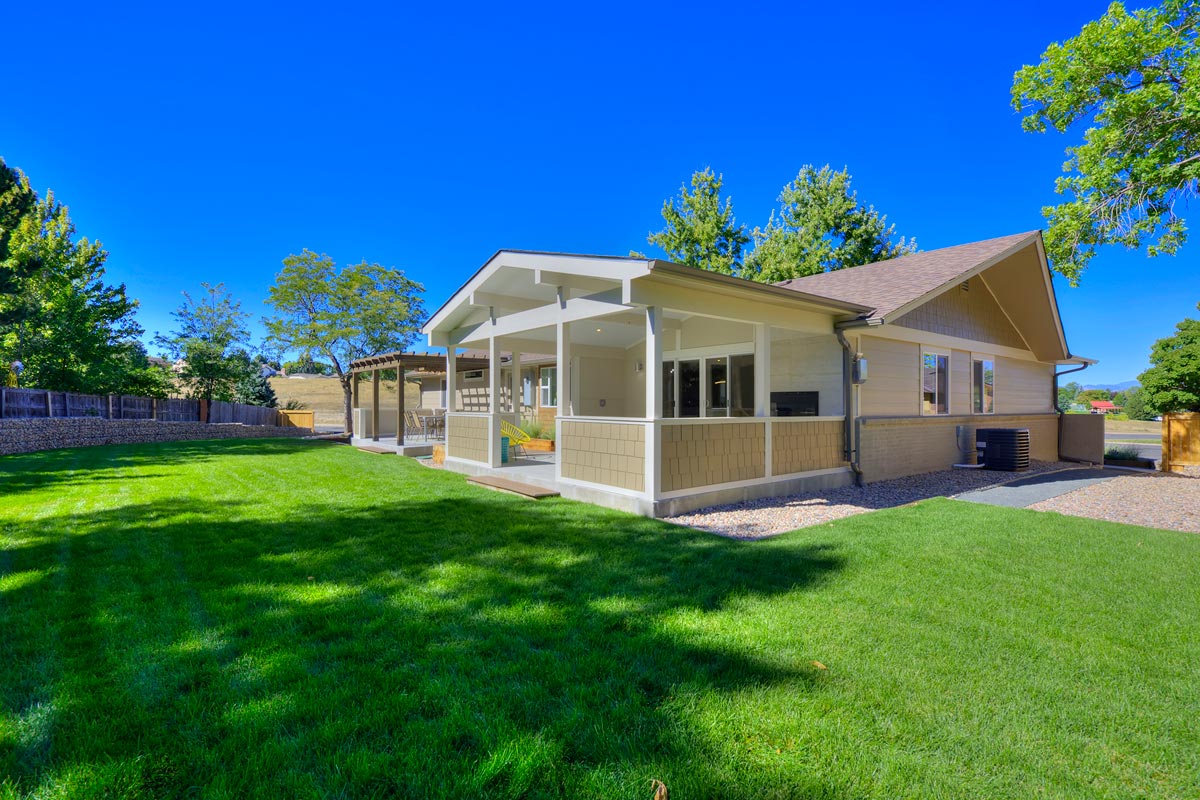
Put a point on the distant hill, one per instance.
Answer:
(1112, 387)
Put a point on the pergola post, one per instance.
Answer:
(399, 403)
(375, 405)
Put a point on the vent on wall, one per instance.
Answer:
(965, 286)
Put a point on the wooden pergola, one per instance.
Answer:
(401, 361)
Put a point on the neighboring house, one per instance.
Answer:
(538, 389)
(677, 388)
(1104, 407)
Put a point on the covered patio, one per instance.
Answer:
(674, 387)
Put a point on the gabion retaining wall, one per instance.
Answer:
(30, 435)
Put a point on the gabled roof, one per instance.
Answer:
(899, 283)
(1105, 404)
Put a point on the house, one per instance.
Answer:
(1104, 407)
(675, 388)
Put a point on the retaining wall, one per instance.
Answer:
(30, 435)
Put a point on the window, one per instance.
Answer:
(668, 389)
(935, 383)
(718, 386)
(473, 375)
(689, 388)
(549, 387)
(983, 385)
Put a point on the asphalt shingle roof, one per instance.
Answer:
(888, 285)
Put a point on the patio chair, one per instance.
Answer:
(412, 424)
(516, 437)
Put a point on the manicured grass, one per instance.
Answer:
(281, 619)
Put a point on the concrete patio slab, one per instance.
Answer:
(1024, 492)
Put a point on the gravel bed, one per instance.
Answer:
(755, 519)
(1149, 499)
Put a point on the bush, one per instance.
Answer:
(536, 430)
(1122, 452)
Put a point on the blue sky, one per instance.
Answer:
(207, 142)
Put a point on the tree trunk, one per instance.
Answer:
(347, 383)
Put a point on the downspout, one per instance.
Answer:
(1054, 399)
(850, 436)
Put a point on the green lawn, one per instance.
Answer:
(282, 619)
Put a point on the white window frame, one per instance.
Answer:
(548, 387)
(677, 356)
(933, 351)
(472, 375)
(983, 357)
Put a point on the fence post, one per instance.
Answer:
(154, 409)
(49, 405)
(1, 402)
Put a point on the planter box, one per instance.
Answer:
(540, 445)
(1141, 463)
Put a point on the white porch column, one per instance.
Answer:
(762, 370)
(451, 379)
(494, 406)
(515, 388)
(564, 369)
(653, 468)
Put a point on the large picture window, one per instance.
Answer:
(983, 385)
(549, 387)
(717, 386)
(935, 383)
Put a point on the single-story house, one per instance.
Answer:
(1104, 407)
(674, 388)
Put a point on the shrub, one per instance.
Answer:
(1122, 452)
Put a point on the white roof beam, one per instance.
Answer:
(504, 301)
(572, 309)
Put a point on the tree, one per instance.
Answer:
(209, 329)
(17, 201)
(1088, 395)
(307, 365)
(1172, 384)
(343, 315)
(1134, 79)
(255, 389)
(1067, 394)
(1135, 404)
(821, 226)
(701, 232)
(59, 317)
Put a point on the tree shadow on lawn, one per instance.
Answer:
(467, 646)
(51, 469)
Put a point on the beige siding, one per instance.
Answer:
(892, 387)
(601, 385)
(711, 453)
(467, 438)
(1023, 387)
(809, 364)
(701, 331)
(960, 382)
(893, 448)
(608, 453)
(804, 446)
(973, 314)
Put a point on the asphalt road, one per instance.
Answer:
(1148, 445)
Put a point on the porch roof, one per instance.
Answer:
(516, 291)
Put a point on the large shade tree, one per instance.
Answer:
(701, 231)
(1133, 79)
(71, 330)
(343, 314)
(821, 226)
(1172, 384)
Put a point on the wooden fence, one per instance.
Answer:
(1180, 442)
(40, 403)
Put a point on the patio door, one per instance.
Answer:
(689, 388)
